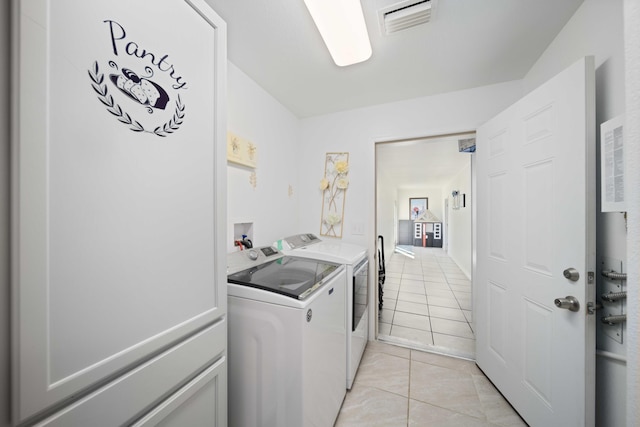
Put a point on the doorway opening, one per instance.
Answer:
(423, 211)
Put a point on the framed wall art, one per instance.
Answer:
(417, 207)
(334, 186)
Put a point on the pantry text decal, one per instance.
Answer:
(140, 88)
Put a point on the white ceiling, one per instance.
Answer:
(420, 163)
(468, 43)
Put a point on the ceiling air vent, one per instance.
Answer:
(405, 14)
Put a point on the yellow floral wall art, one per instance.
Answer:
(334, 186)
(241, 151)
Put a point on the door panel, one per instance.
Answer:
(498, 321)
(535, 218)
(537, 351)
(121, 401)
(197, 404)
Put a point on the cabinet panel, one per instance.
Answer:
(201, 403)
(121, 400)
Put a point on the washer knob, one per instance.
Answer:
(252, 254)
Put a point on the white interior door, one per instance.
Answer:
(536, 218)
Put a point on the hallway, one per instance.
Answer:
(427, 304)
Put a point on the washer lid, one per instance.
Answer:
(294, 277)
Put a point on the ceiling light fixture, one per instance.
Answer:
(342, 27)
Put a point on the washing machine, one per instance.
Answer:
(286, 340)
(356, 261)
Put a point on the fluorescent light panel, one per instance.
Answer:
(342, 27)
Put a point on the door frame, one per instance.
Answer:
(445, 225)
(373, 299)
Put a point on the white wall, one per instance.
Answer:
(632, 145)
(4, 212)
(434, 194)
(356, 132)
(460, 238)
(255, 115)
(597, 29)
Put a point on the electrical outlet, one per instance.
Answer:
(357, 228)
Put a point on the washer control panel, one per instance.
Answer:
(241, 260)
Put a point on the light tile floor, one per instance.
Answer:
(397, 386)
(427, 304)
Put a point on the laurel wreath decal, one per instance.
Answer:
(173, 124)
(100, 87)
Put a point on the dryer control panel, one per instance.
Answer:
(297, 241)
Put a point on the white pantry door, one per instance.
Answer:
(119, 211)
(535, 219)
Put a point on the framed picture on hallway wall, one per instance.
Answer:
(417, 207)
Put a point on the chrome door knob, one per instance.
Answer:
(568, 302)
(571, 274)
